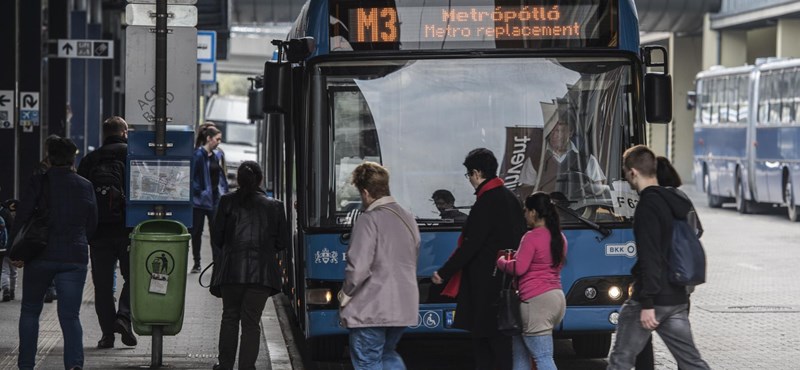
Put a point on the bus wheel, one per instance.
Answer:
(791, 207)
(330, 348)
(742, 204)
(713, 200)
(592, 345)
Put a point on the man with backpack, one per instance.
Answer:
(657, 302)
(105, 168)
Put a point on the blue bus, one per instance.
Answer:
(415, 85)
(747, 138)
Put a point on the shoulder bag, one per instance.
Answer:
(32, 237)
(213, 289)
(509, 317)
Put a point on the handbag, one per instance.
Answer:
(32, 237)
(213, 289)
(509, 316)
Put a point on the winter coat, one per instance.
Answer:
(202, 194)
(495, 223)
(381, 272)
(249, 230)
(73, 214)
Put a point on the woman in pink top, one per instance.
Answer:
(538, 263)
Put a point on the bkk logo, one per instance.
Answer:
(628, 249)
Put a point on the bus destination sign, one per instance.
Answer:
(583, 23)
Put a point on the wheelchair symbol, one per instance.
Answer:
(431, 319)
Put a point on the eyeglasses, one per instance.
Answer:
(467, 175)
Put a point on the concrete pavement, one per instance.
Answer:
(195, 347)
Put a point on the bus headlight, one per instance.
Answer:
(319, 296)
(614, 292)
(613, 318)
(590, 292)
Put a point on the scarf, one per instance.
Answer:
(451, 289)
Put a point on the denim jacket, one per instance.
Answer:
(202, 194)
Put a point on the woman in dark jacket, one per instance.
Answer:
(249, 229)
(72, 208)
(209, 182)
(495, 222)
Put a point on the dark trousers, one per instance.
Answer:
(241, 303)
(199, 216)
(492, 353)
(105, 253)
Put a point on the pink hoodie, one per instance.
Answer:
(532, 264)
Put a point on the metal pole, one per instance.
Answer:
(156, 356)
(161, 76)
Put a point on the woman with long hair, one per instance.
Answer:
(208, 184)
(537, 264)
(249, 230)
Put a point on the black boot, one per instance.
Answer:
(107, 341)
(123, 326)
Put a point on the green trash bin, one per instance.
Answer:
(159, 250)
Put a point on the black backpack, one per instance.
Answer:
(108, 180)
(686, 262)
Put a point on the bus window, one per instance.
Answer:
(744, 102)
(354, 141)
(733, 99)
(763, 100)
(775, 97)
(795, 77)
(704, 113)
(787, 100)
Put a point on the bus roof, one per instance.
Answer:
(780, 64)
(771, 64)
(717, 71)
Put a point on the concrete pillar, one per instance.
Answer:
(761, 43)
(685, 62)
(786, 40)
(734, 48)
(711, 45)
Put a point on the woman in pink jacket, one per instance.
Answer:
(537, 264)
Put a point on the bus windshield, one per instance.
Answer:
(557, 125)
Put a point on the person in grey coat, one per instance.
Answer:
(379, 297)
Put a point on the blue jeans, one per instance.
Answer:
(375, 348)
(539, 347)
(673, 328)
(69, 280)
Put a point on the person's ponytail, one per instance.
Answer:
(553, 223)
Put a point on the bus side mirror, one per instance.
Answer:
(657, 86)
(277, 87)
(691, 100)
(658, 97)
(255, 100)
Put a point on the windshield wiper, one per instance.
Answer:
(594, 226)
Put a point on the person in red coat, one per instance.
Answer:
(495, 223)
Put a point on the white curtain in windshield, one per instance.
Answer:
(554, 125)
